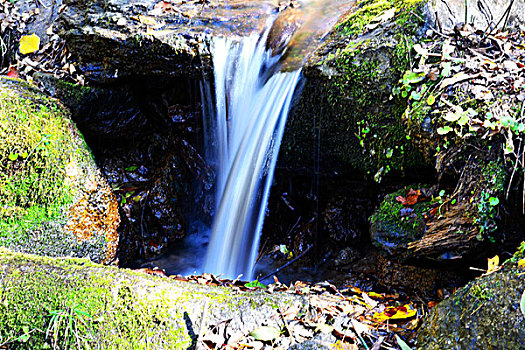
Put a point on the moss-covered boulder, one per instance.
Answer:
(345, 117)
(73, 303)
(441, 224)
(485, 314)
(53, 200)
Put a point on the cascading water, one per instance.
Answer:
(249, 114)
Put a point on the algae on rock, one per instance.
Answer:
(346, 106)
(484, 314)
(114, 308)
(53, 200)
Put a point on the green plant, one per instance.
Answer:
(67, 328)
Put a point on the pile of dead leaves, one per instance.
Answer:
(471, 83)
(345, 319)
(22, 53)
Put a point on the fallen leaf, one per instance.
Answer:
(265, 333)
(255, 284)
(456, 78)
(493, 264)
(12, 73)
(147, 20)
(521, 263)
(395, 313)
(29, 44)
(401, 200)
(444, 130)
(324, 328)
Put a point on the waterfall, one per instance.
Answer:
(245, 123)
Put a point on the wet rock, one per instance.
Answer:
(341, 221)
(100, 112)
(393, 225)
(346, 257)
(345, 117)
(161, 183)
(112, 39)
(53, 198)
(485, 314)
(419, 280)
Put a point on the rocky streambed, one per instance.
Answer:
(406, 139)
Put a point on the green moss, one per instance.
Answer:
(65, 302)
(39, 142)
(368, 10)
(406, 226)
(55, 307)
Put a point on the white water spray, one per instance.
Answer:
(250, 111)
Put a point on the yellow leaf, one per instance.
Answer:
(395, 313)
(521, 263)
(29, 43)
(375, 295)
(147, 20)
(493, 264)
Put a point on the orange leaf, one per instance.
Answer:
(411, 200)
(13, 73)
(29, 43)
(401, 200)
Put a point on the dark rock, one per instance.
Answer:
(346, 257)
(341, 221)
(485, 314)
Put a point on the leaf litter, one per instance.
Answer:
(347, 318)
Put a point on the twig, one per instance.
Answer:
(505, 14)
(287, 264)
(430, 26)
(292, 340)
(142, 224)
(204, 316)
(513, 170)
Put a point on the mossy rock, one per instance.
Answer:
(394, 226)
(450, 225)
(53, 200)
(485, 314)
(112, 308)
(345, 115)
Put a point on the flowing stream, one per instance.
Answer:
(244, 125)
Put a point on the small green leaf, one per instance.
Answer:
(255, 284)
(24, 155)
(402, 344)
(416, 96)
(522, 303)
(413, 77)
(265, 333)
(389, 153)
(131, 168)
(404, 94)
(24, 338)
(431, 100)
(13, 156)
(444, 130)
(493, 201)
